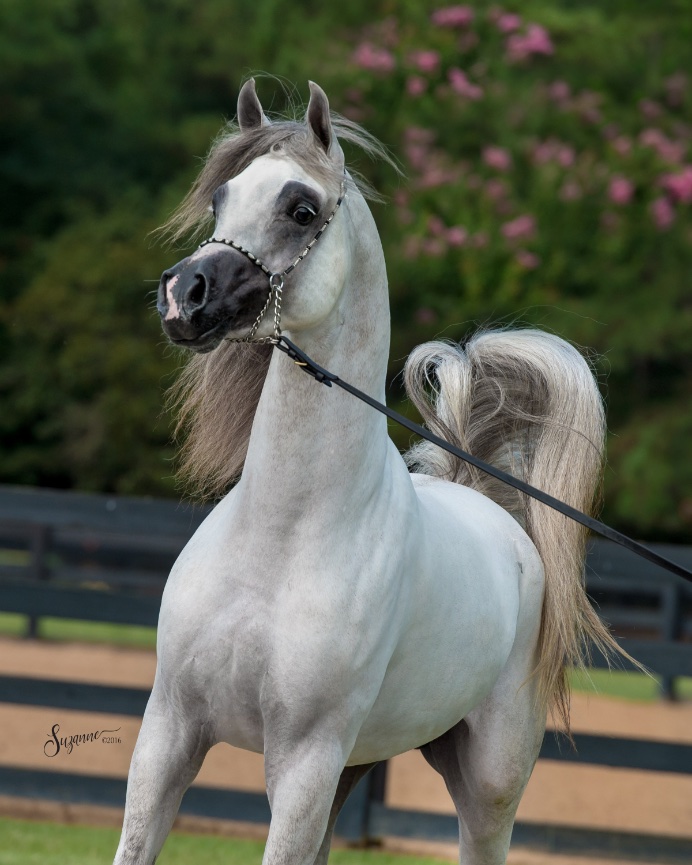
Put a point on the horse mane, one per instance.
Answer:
(234, 149)
(216, 394)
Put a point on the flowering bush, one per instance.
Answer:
(540, 190)
(547, 148)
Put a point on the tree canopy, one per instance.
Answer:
(547, 152)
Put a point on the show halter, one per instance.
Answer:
(276, 280)
(308, 365)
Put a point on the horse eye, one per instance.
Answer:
(303, 214)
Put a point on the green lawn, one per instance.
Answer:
(631, 686)
(68, 630)
(24, 842)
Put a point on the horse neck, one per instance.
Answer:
(317, 451)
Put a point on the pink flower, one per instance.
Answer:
(676, 86)
(426, 61)
(434, 176)
(436, 226)
(521, 228)
(388, 32)
(526, 259)
(543, 152)
(457, 235)
(679, 186)
(419, 135)
(496, 189)
(434, 247)
(462, 86)
(622, 145)
(452, 16)
(507, 22)
(369, 56)
(565, 156)
(662, 213)
(415, 85)
(536, 40)
(667, 150)
(587, 106)
(418, 155)
(650, 110)
(620, 190)
(651, 137)
(559, 91)
(553, 151)
(497, 158)
(571, 191)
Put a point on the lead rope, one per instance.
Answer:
(322, 375)
(276, 280)
(308, 365)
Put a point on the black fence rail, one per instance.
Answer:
(126, 546)
(106, 559)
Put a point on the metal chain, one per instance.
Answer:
(276, 279)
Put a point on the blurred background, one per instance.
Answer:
(547, 148)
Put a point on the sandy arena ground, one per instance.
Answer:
(562, 794)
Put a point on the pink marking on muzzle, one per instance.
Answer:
(173, 311)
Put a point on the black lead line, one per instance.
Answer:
(324, 376)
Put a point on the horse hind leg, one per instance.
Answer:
(486, 760)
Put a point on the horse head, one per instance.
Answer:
(272, 188)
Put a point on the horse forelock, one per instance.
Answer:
(235, 149)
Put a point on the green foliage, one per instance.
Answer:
(86, 332)
(28, 842)
(541, 157)
(550, 183)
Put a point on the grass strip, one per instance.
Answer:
(25, 842)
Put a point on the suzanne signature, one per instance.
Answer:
(55, 743)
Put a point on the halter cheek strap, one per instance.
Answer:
(276, 279)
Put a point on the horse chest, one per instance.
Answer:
(244, 649)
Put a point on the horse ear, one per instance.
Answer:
(250, 114)
(320, 122)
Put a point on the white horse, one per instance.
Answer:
(334, 609)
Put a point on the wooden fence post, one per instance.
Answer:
(38, 570)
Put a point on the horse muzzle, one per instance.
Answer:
(204, 297)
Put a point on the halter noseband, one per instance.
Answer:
(276, 279)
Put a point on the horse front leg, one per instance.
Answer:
(348, 781)
(168, 755)
(303, 783)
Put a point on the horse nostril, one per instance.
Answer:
(196, 293)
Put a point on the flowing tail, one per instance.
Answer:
(527, 402)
